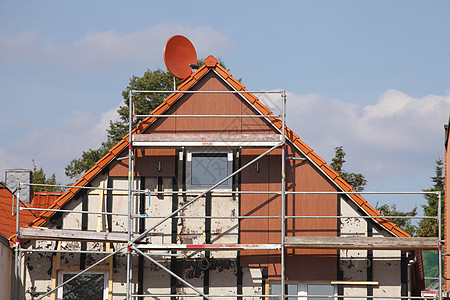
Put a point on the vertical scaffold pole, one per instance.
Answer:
(283, 194)
(16, 256)
(440, 245)
(130, 197)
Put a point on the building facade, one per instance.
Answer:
(227, 206)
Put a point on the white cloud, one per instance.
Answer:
(103, 124)
(54, 148)
(102, 50)
(398, 134)
(17, 47)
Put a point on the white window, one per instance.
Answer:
(205, 169)
(90, 285)
(303, 290)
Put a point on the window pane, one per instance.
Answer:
(275, 289)
(320, 289)
(208, 169)
(86, 286)
(292, 289)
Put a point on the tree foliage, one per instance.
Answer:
(426, 227)
(404, 223)
(39, 177)
(429, 227)
(356, 180)
(157, 80)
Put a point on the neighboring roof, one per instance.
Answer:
(7, 220)
(211, 63)
(44, 200)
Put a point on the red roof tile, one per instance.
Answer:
(223, 73)
(211, 63)
(303, 147)
(359, 199)
(236, 84)
(7, 221)
(291, 135)
(317, 159)
(330, 172)
(343, 184)
(44, 200)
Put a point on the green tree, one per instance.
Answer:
(404, 223)
(39, 177)
(429, 227)
(158, 80)
(356, 180)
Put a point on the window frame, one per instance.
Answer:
(226, 186)
(105, 274)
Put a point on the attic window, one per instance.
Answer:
(205, 169)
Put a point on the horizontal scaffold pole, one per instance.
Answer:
(204, 92)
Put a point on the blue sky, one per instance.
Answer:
(372, 76)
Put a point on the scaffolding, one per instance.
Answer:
(131, 241)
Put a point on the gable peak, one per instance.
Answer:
(211, 61)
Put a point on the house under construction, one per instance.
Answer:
(212, 196)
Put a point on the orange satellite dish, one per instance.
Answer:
(179, 53)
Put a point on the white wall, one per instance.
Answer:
(6, 270)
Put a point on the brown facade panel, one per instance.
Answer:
(300, 176)
(274, 203)
(254, 125)
(258, 151)
(264, 176)
(310, 267)
(254, 230)
(148, 163)
(155, 166)
(303, 176)
(214, 104)
(162, 124)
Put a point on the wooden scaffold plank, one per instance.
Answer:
(180, 140)
(361, 242)
(71, 235)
